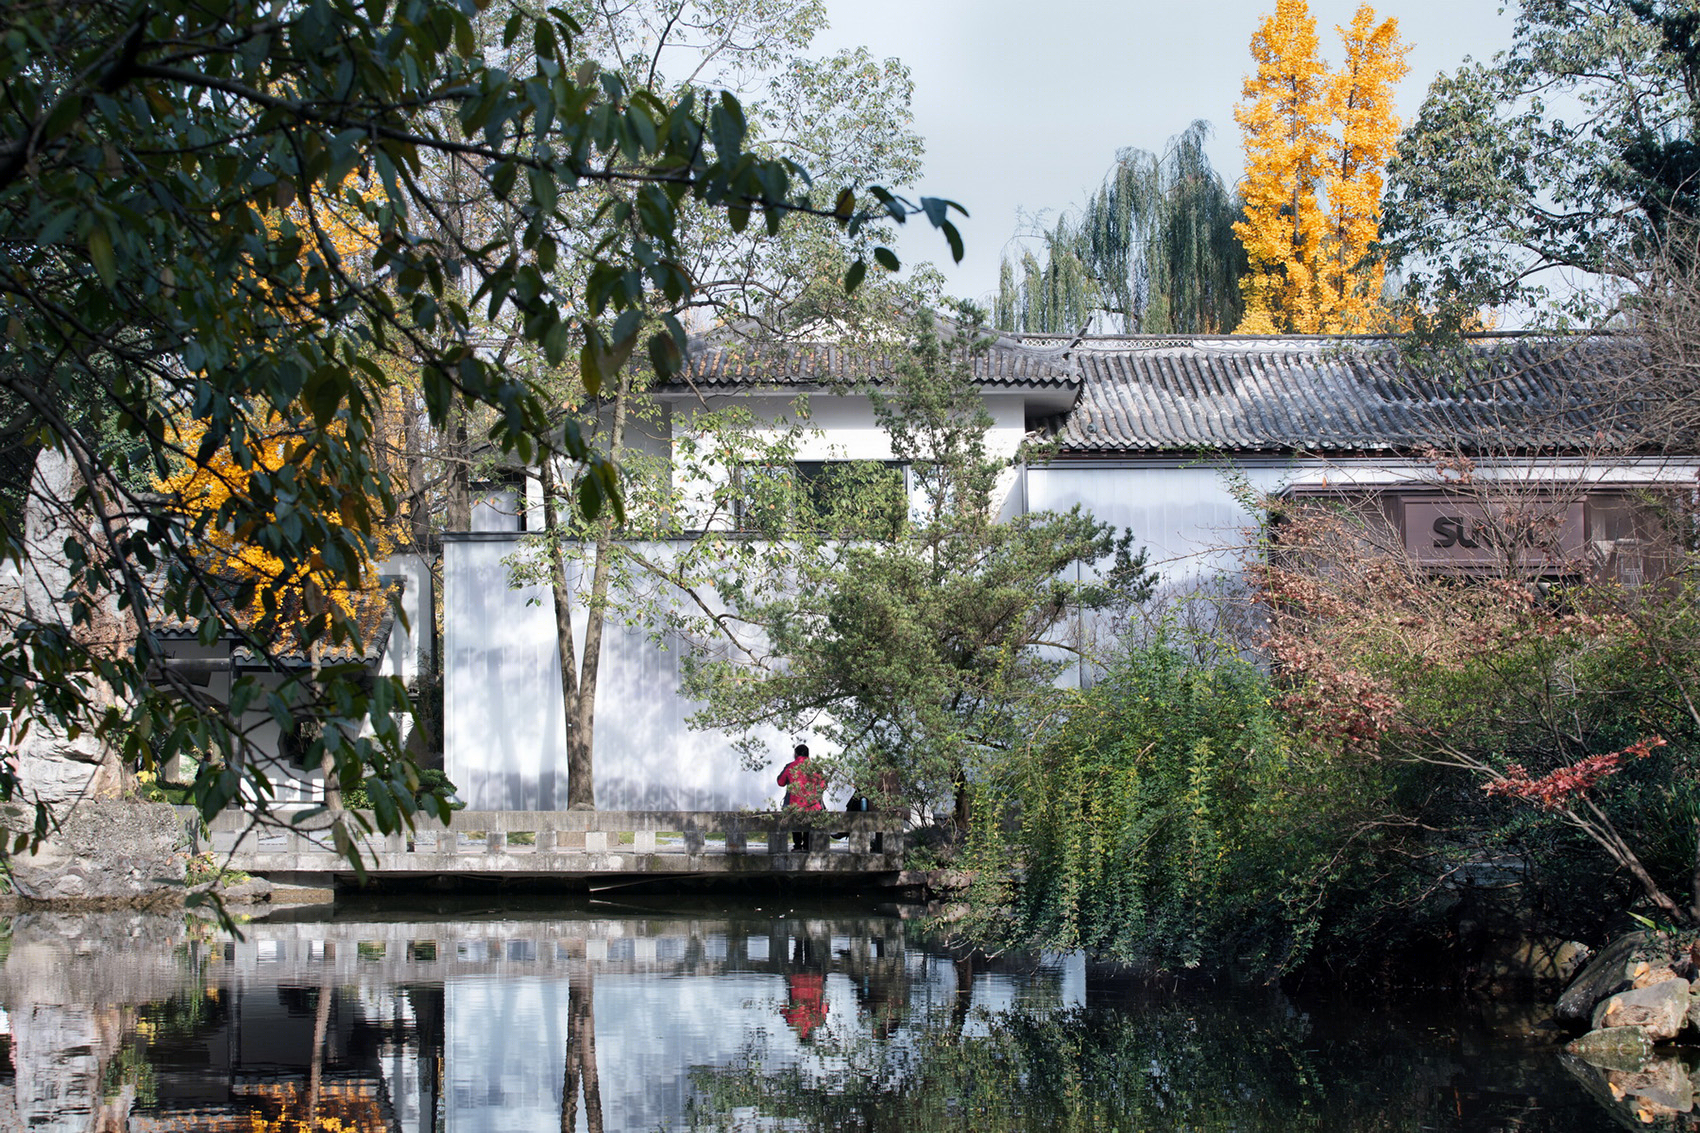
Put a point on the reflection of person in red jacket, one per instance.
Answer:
(803, 788)
(807, 1009)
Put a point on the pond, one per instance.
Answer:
(572, 1014)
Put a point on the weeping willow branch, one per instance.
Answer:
(1153, 252)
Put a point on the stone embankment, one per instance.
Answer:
(1636, 1000)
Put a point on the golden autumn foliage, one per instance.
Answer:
(1283, 117)
(290, 590)
(1316, 145)
(1360, 101)
(333, 231)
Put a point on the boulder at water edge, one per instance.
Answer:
(105, 850)
(1610, 972)
(1660, 1009)
(1617, 1048)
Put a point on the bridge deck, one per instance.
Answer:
(574, 844)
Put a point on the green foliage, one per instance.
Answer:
(1570, 150)
(168, 176)
(205, 868)
(1154, 249)
(430, 779)
(920, 645)
(1167, 817)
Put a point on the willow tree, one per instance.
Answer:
(1315, 147)
(1154, 251)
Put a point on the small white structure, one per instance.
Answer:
(1171, 438)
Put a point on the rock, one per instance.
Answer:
(1609, 972)
(1663, 1082)
(1660, 1009)
(302, 895)
(1657, 1091)
(103, 850)
(1655, 974)
(1616, 1048)
(53, 767)
(250, 892)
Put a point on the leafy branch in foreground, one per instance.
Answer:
(166, 258)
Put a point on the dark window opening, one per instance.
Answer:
(864, 498)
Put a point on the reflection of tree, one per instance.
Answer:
(1208, 1066)
(316, 1066)
(581, 1056)
(882, 988)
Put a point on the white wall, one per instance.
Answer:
(843, 427)
(409, 648)
(504, 743)
(1187, 515)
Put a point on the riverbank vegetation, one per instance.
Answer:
(1411, 764)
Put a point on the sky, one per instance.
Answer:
(1024, 105)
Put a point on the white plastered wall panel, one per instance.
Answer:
(504, 744)
(1188, 516)
(410, 642)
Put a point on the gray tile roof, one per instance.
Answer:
(730, 364)
(1341, 395)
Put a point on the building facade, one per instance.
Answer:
(1177, 440)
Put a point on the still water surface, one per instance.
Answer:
(585, 1015)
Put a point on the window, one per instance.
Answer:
(865, 498)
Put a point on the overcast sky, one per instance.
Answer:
(1024, 105)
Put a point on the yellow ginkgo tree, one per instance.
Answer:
(1316, 145)
(275, 591)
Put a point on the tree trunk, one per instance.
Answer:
(564, 650)
(961, 814)
(1694, 884)
(413, 466)
(458, 486)
(581, 732)
(327, 763)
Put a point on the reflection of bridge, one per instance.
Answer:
(574, 845)
(417, 952)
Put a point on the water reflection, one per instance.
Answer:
(592, 1018)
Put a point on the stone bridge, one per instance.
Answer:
(572, 845)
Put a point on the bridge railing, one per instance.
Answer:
(520, 841)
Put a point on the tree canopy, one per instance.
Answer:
(165, 256)
(1153, 250)
(1569, 151)
(920, 636)
(1315, 146)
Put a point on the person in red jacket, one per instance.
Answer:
(803, 789)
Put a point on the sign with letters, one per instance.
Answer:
(1462, 532)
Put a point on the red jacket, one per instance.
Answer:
(803, 784)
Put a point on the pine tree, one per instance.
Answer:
(1360, 100)
(1316, 145)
